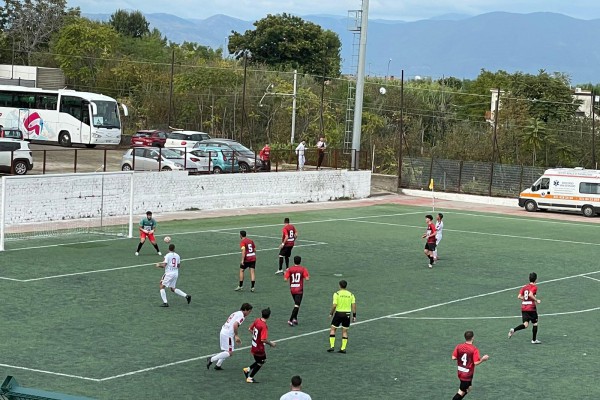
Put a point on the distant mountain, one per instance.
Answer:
(448, 45)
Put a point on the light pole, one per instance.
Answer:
(295, 92)
(388, 70)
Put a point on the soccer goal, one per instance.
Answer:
(65, 208)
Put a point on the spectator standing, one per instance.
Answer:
(300, 153)
(265, 156)
(321, 146)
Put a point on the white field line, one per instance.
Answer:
(247, 228)
(502, 317)
(525, 219)
(589, 277)
(145, 265)
(50, 372)
(484, 233)
(266, 237)
(355, 323)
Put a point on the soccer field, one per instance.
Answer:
(84, 319)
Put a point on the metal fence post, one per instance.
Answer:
(75, 162)
(521, 179)
(491, 180)
(460, 168)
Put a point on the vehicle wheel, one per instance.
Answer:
(244, 167)
(588, 211)
(20, 167)
(90, 146)
(126, 167)
(64, 139)
(217, 170)
(531, 206)
(166, 168)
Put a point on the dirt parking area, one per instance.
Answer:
(55, 159)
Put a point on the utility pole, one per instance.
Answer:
(244, 97)
(593, 99)
(171, 87)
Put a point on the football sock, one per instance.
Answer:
(163, 295)
(287, 262)
(252, 283)
(241, 283)
(332, 340)
(295, 313)
(534, 332)
(344, 343)
(180, 293)
(435, 254)
(140, 244)
(431, 260)
(280, 263)
(156, 247)
(518, 328)
(254, 368)
(457, 397)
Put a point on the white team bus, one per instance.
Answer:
(564, 189)
(63, 116)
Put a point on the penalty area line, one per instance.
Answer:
(85, 378)
(497, 317)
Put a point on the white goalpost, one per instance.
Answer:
(66, 208)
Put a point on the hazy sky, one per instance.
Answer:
(407, 10)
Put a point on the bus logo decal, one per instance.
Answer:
(30, 123)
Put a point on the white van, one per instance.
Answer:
(564, 189)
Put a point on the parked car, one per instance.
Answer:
(185, 138)
(220, 160)
(149, 138)
(19, 153)
(247, 159)
(11, 133)
(152, 159)
(193, 161)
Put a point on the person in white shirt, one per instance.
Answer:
(300, 153)
(229, 336)
(296, 393)
(439, 227)
(171, 265)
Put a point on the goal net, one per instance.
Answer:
(65, 208)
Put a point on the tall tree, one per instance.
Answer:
(30, 24)
(132, 24)
(81, 46)
(289, 42)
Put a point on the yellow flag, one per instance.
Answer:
(431, 184)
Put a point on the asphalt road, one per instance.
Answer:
(52, 159)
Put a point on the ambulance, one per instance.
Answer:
(564, 189)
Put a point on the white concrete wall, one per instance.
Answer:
(32, 199)
(467, 198)
(18, 71)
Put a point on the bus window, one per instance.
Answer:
(71, 105)
(46, 101)
(6, 99)
(24, 100)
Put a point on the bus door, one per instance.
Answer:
(71, 119)
(25, 125)
(86, 124)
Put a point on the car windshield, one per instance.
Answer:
(170, 153)
(239, 147)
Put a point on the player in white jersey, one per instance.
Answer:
(229, 336)
(296, 393)
(171, 265)
(439, 227)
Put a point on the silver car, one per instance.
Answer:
(153, 159)
(247, 159)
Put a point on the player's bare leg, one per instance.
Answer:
(241, 282)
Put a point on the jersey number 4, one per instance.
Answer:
(464, 359)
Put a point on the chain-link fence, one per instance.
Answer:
(471, 177)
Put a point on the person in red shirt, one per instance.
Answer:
(529, 302)
(296, 276)
(265, 156)
(288, 239)
(260, 337)
(430, 236)
(467, 357)
(248, 261)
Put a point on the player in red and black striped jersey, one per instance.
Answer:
(467, 357)
(529, 302)
(296, 275)
(288, 239)
(431, 240)
(248, 260)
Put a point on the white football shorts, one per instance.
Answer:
(227, 342)
(169, 280)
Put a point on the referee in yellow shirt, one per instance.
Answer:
(344, 303)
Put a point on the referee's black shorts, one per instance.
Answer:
(341, 318)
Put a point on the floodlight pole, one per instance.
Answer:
(360, 85)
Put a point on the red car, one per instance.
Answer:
(149, 138)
